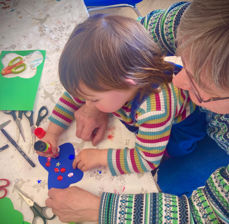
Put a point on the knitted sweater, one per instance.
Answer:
(162, 26)
(154, 118)
(206, 205)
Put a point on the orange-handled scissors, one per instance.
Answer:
(15, 66)
(3, 184)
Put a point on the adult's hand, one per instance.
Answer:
(91, 124)
(74, 204)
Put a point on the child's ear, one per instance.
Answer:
(131, 82)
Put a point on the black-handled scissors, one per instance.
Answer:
(42, 113)
(17, 121)
(38, 211)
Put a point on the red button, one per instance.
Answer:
(56, 170)
(48, 164)
(60, 178)
(62, 170)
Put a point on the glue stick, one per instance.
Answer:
(42, 146)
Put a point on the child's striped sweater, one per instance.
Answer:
(154, 118)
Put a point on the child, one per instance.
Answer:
(111, 63)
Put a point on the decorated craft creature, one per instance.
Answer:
(61, 173)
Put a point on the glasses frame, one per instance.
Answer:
(197, 94)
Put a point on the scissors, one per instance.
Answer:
(16, 65)
(3, 184)
(42, 113)
(38, 211)
(17, 121)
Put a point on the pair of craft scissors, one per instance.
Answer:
(3, 184)
(42, 113)
(38, 211)
(16, 65)
(17, 121)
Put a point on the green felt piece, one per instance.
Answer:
(17, 93)
(8, 215)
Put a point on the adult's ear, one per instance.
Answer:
(131, 82)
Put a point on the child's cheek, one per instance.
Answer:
(108, 108)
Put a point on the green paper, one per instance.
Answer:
(8, 215)
(18, 93)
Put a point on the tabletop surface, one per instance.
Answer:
(46, 25)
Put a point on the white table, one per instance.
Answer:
(46, 25)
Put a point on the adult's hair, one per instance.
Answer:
(105, 50)
(204, 35)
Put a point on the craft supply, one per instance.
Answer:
(48, 163)
(62, 170)
(16, 65)
(4, 147)
(42, 146)
(17, 121)
(71, 157)
(38, 211)
(60, 178)
(9, 215)
(3, 184)
(39, 132)
(70, 174)
(19, 90)
(15, 144)
(62, 166)
(42, 113)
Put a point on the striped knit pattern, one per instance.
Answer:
(218, 129)
(63, 112)
(216, 208)
(144, 208)
(202, 207)
(162, 26)
(154, 118)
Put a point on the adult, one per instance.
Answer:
(202, 38)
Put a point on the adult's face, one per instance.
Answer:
(208, 96)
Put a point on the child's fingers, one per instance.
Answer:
(74, 164)
(55, 152)
(81, 165)
(84, 168)
(45, 154)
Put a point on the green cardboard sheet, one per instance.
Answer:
(18, 91)
(8, 215)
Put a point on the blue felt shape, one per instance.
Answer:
(66, 150)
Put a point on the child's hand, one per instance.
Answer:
(90, 158)
(51, 137)
(52, 140)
